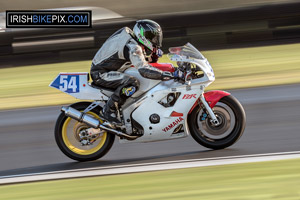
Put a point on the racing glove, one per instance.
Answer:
(179, 75)
(158, 52)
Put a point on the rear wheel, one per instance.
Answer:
(73, 141)
(232, 118)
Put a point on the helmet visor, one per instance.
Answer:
(157, 40)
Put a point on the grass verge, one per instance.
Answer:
(267, 180)
(234, 68)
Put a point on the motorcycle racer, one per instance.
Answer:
(124, 48)
(163, 110)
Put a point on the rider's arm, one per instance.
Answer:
(137, 58)
(153, 58)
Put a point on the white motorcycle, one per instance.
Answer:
(159, 110)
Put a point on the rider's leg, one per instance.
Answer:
(126, 88)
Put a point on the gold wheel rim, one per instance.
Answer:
(76, 149)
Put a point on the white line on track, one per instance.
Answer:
(145, 167)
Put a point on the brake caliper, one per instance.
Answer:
(203, 117)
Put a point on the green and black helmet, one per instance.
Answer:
(148, 33)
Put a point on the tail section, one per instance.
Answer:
(76, 84)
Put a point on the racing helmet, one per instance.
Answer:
(148, 33)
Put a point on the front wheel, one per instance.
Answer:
(232, 118)
(73, 142)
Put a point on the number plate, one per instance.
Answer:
(68, 83)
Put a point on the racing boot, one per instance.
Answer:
(109, 112)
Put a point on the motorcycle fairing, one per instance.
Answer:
(146, 99)
(163, 66)
(150, 105)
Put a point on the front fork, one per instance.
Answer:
(213, 117)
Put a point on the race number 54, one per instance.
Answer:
(68, 83)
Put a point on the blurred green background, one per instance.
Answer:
(234, 68)
(268, 180)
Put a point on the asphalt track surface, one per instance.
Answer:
(27, 142)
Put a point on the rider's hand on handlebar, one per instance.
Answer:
(158, 52)
(179, 75)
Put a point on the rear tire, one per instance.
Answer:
(232, 116)
(66, 136)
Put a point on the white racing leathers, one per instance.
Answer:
(119, 50)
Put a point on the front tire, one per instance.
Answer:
(67, 137)
(233, 121)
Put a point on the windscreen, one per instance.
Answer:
(188, 51)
